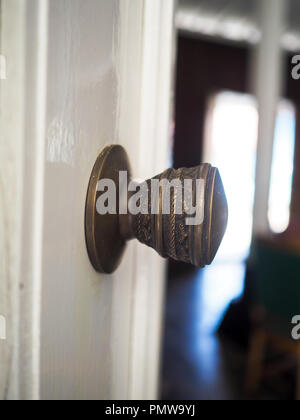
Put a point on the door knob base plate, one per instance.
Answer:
(105, 243)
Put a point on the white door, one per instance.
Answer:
(78, 75)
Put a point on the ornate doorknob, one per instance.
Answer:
(182, 214)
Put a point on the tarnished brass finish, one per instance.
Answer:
(104, 241)
(168, 234)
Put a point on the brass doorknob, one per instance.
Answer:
(182, 214)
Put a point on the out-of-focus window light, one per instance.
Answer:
(282, 168)
(231, 145)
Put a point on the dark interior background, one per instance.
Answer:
(204, 67)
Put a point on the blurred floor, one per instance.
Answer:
(197, 363)
(194, 363)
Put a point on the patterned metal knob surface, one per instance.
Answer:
(195, 218)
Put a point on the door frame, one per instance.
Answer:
(148, 34)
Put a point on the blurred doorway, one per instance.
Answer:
(216, 121)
